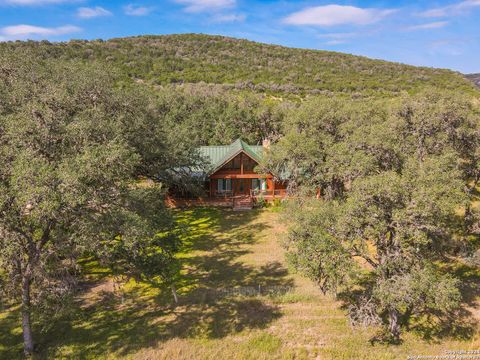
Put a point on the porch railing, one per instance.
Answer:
(253, 193)
(223, 193)
(268, 193)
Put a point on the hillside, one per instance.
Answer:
(475, 78)
(245, 64)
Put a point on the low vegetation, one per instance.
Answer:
(475, 78)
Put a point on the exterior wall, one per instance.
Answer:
(270, 184)
(240, 169)
(240, 164)
(213, 188)
(281, 185)
(274, 188)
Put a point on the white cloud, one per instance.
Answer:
(23, 31)
(226, 18)
(450, 47)
(432, 25)
(134, 10)
(452, 10)
(87, 13)
(335, 42)
(331, 15)
(338, 36)
(206, 5)
(35, 2)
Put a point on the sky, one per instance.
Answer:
(432, 33)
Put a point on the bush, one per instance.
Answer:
(261, 202)
(277, 202)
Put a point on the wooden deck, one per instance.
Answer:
(227, 199)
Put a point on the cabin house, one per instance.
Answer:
(231, 178)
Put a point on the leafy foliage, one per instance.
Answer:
(71, 153)
(393, 178)
(207, 115)
(144, 239)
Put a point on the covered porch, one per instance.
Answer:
(245, 185)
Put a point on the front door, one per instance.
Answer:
(242, 186)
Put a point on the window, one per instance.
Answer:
(263, 184)
(224, 184)
(232, 164)
(259, 184)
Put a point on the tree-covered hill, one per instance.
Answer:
(475, 78)
(242, 64)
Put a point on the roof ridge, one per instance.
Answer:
(225, 153)
(214, 145)
(238, 140)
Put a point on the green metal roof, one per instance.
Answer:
(219, 155)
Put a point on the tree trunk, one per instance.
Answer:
(26, 320)
(174, 292)
(394, 325)
(406, 317)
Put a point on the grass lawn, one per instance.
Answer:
(237, 300)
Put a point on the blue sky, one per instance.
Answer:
(430, 33)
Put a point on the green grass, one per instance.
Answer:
(237, 300)
(264, 342)
(10, 333)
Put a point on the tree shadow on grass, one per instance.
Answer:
(462, 323)
(215, 262)
(432, 326)
(220, 318)
(214, 241)
(10, 335)
(107, 328)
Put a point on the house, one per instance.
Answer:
(231, 178)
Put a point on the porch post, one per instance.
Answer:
(233, 192)
(273, 187)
